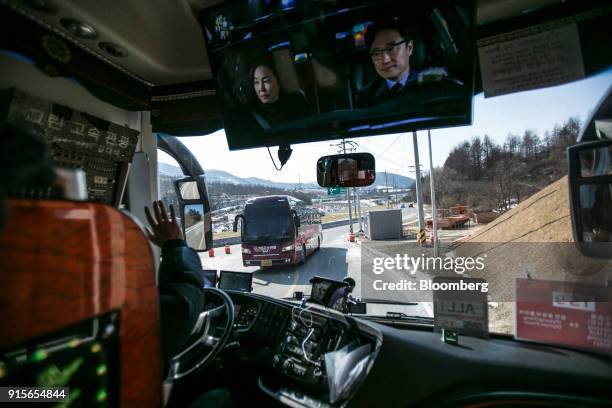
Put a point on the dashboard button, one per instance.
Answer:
(288, 365)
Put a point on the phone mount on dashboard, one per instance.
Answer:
(335, 294)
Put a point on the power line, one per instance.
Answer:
(388, 147)
(345, 145)
(401, 165)
(398, 157)
(404, 164)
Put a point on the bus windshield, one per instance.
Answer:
(501, 180)
(268, 222)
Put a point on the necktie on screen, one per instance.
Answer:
(395, 89)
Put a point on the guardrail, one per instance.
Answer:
(236, 240)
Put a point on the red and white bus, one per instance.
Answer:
(278, 230)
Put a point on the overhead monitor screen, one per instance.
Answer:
(291, 71)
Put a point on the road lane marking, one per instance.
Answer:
(294, 283)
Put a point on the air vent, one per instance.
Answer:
(113, 49)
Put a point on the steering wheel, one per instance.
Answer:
(203, 347)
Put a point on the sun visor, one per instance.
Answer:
(185, 110)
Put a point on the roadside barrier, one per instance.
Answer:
(421, 236)
(236, 240)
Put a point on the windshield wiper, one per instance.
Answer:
(389, 316)
(292, 298)
(366, 300)
(388, 302)
(403, 317)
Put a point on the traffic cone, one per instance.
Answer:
(227, 249)
(211, 252)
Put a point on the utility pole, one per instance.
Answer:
(417, 169)
(386, 189)
(395, 188)
(355, 202)
(348, 196)
(342, 148)
(433, 197)
(359, 210)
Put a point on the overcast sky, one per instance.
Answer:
(537, 110)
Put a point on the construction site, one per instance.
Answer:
(533, 241)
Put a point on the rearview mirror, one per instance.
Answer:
(346, 170)
(590, 180)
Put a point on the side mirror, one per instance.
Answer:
(346, 170)
(188, 189)
(296, 219)
(193, 216)
(235, 227)
(590, 183)
(195, 212)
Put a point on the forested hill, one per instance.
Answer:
(486, 175)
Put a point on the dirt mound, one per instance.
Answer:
(533, 240)
(543, 217)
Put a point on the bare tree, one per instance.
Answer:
(506, 176)
(488, 151)
(476, 158)
(512, 143)
(528, 145)
(459, 158)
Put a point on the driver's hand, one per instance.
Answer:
(162, 228)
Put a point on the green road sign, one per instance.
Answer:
(336, 191)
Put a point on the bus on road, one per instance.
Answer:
(278, 230)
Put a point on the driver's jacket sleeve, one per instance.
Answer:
(180, 295)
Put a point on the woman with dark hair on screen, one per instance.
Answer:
(272, 105)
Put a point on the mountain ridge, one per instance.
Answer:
(221, 176)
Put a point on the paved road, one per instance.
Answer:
(337, 259)
(189, 190)
(195, 235)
